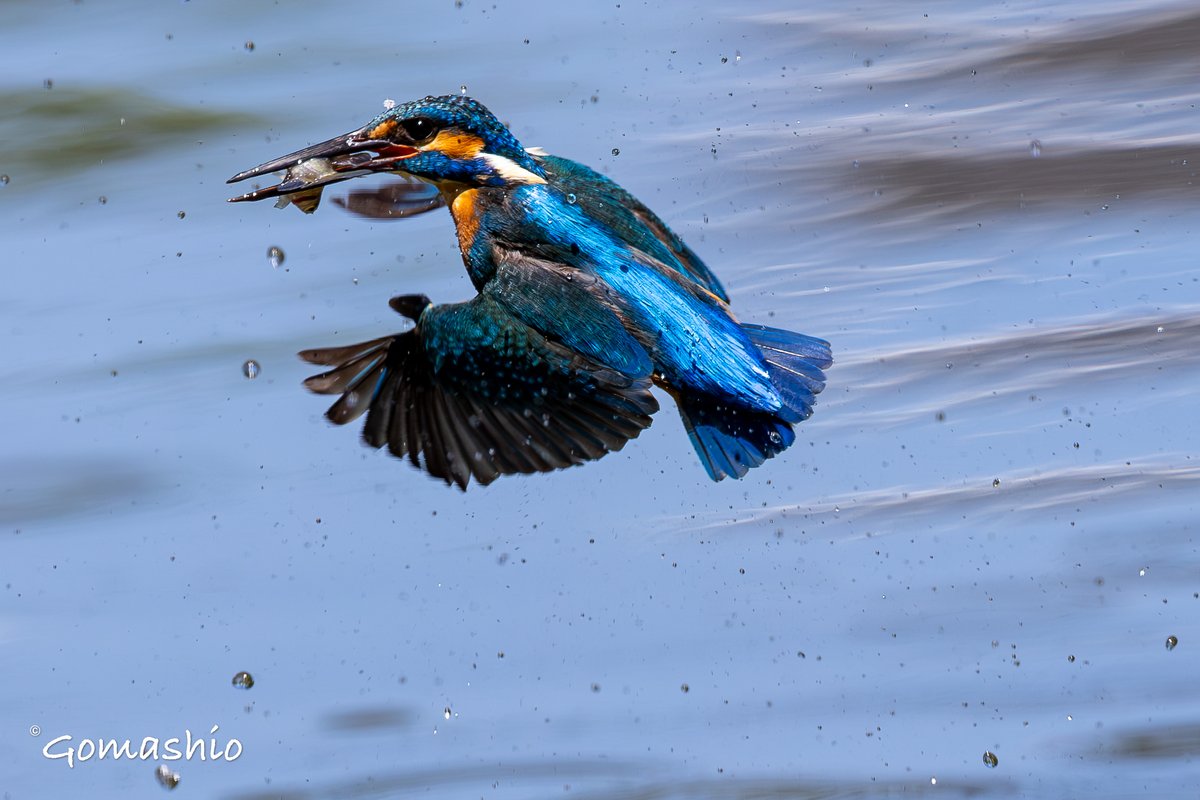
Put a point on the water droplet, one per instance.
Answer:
(724, 59)
(989, 759)
(685, 688)
(389, 104)
(463, 90)
(616, 151)
(1142, 572)
(571, 199)
(181, 214)
(251, 369)
(855, 163)
(275, 256)
(4, 179)
(166, 777)
(48, 83)
(447, 713)
(102, 200)
(1035, 148)
(995, 483)
(1160, 329)
(1070, 659)
(595, 687)
(243, 680)
(825, 289)
(775, 437)
(737, 56)
(249, 45)
(1172, 641)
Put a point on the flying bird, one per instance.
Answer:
(586, 299)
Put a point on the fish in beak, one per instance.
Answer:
(308, 171)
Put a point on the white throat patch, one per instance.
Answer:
(510, 170)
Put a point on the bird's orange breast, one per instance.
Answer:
(466, 218)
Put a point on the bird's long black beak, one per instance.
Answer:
(356, 150)
(338, 159)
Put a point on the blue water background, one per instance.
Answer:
(981, 541)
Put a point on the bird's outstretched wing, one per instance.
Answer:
(608, 202)
(474, 392)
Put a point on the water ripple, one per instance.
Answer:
(1013, 181)
(928, 378)
(537, 778)
(984, 497)
(37, 490)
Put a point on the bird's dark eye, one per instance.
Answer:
(419, 129)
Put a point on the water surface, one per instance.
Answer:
(980, 542)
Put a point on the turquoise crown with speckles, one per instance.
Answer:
(468, 115)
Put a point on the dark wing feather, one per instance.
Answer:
(568, 306)
(475, 393)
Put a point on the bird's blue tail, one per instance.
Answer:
(795, 363)
(731, 439)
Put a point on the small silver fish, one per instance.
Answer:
(303, 183)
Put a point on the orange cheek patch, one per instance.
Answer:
(382, 130)
(456, 145)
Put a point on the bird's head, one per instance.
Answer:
(449, 141)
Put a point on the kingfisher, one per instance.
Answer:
(585, 300)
